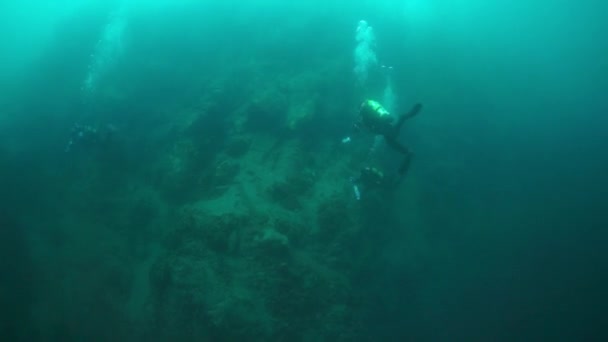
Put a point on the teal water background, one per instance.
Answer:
(502, 230)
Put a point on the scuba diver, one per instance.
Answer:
(369, 178)
(377, 120)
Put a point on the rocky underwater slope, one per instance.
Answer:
(225, 216)
(265, 230)
(209, 200)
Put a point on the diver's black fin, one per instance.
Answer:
(413, 112)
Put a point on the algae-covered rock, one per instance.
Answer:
(300, 113)
(201, 290)
(289, 193)
(266, 111)
(334, 217)
(284, 194)
(213, 231)
(274, 244)
(177, 171)
(307, 293)
(237, 147)
(218, 178)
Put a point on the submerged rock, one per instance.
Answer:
(273, 243)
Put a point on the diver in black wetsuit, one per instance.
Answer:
(379, 121)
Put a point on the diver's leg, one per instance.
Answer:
(395, 145)
(415, 110)
(403, 168)
(405, 165)
(407, 155)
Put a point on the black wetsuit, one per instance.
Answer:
(392, 133)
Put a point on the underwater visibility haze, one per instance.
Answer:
(390, 170)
